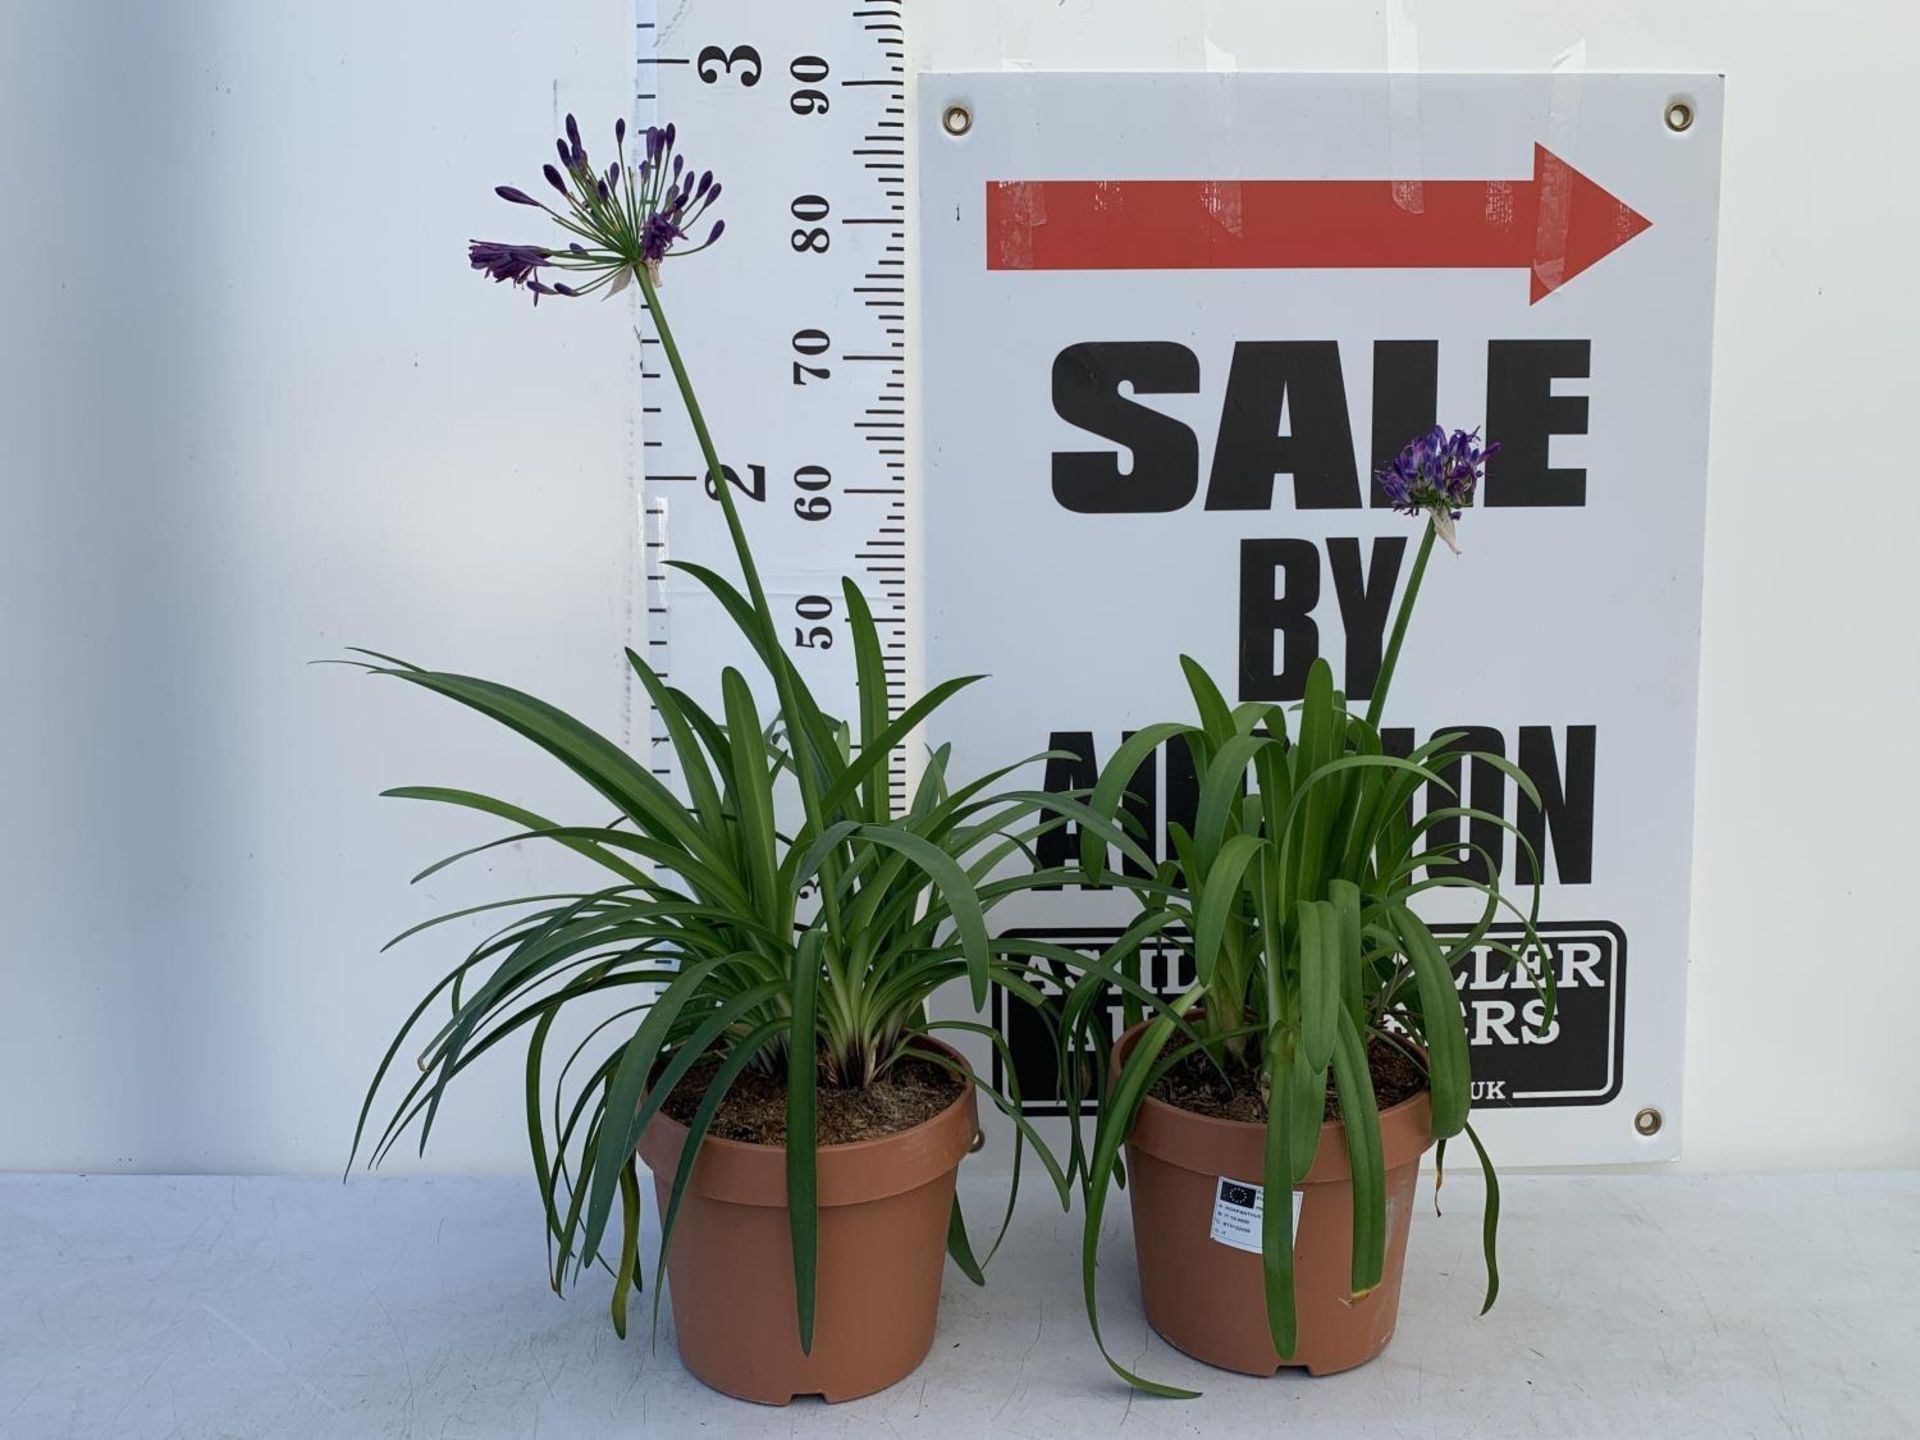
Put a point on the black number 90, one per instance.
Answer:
(809, 70)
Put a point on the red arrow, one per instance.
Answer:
(1554, 225)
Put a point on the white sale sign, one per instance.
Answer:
(1173, 324)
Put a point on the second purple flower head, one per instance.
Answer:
(1437, 474)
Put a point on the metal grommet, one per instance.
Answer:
(1647, 1122)
(979, 1142)
(956, 120)
(1679, 117)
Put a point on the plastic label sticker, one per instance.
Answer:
(1236, 1214)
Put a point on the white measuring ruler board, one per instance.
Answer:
(793, 329)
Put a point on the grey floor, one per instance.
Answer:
(1643, 1306)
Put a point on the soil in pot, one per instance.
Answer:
(1231, 1091)
(888, 1158)
(1200, 1281)
(910, 1093)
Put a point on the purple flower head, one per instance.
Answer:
(631, 217)
(1436, 474)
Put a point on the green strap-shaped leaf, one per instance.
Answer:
(1220, 789)
(737, 1060)
(1320, 979)
(1114, 783)
(1276, 1211)
(1216, 719)
(486, 804)
(686, 745)
(1443, 1025)
(961, 1248)
(1360, 1114)
(1345, 898)
(1007, 1104)
(624, 1091)
(1116, 1119)
(969, 920)
(1218, 899)
(803, 1160)
(752, 791)
(1489, 1220)
(873, 754)
(625, 1275)
(870, 676)
(590, 755)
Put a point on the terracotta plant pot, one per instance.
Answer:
(884, 1206)
(1205, 1296)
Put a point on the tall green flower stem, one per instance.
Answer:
(777, 662)
(1392, 658)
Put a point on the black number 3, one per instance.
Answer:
(715, 62)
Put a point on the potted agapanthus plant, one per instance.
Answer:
(1321, 1048)
(775, 1063)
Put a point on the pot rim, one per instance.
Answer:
(843, 1147)
(752, 1172)
(1213, 1132)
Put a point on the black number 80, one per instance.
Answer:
(809, 236)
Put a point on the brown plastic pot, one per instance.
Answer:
(1207, 1297)
(884, 1206)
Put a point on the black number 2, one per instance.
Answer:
(715, 62)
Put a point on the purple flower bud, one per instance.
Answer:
(560, 289)
(566, 159)
(706, 183)
(518, 197)
(553, 179)
(620, 130)
(601, 186)
(714, 234)
(670, 134)
(519, 264)
(653, 142)
(679, 161)
(713, 194)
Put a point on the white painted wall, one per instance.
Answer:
(255, 410)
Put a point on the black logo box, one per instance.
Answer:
(1577, 1063)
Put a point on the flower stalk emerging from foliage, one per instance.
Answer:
(1293, 892)
(806, 950)
(625, 220)
(1437, 475)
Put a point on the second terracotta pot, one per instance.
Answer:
(884, 1206)
(1206, 1296)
